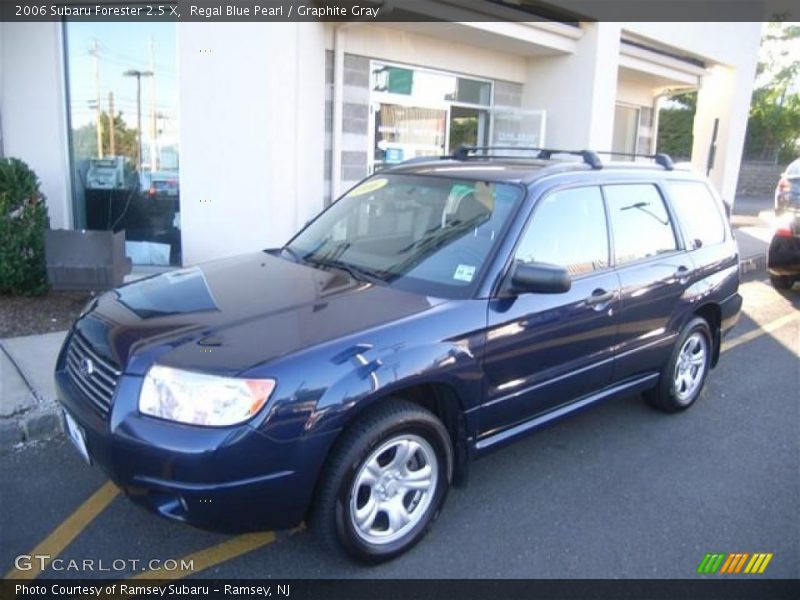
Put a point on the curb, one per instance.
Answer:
(44, 421)
(39, 423)
(748, 266)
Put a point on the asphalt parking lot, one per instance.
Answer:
(618, 491)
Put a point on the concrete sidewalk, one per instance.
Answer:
(28, 408)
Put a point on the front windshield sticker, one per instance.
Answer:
(369, 186)
(464, 273)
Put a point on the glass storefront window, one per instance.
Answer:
(626, 129)
(419, 112)
(123, 114)
(429, 86)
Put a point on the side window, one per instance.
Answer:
(640, 222)
(698, 212)
(568, 229)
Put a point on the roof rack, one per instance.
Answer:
(467, 152)
(660, 159)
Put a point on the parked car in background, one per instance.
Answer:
(783, 254)
(437, 311)
(787, 192)
(159, 184)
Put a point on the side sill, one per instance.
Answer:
(633, 386)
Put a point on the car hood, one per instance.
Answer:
(233, 314)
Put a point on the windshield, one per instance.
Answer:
(793, 170)
(426, 234)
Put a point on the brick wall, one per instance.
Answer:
(758, 179)
(355, 123)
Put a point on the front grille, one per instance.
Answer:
(96, 384)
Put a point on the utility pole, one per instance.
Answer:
(112, 150)
(153, 130)
(95, 52)
(138, 74)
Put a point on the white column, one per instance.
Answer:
(578, 90)
(724, 94)
(33, 105)
(251, 134)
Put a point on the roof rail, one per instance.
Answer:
(661, 159)
(419, 159)
(466, 152)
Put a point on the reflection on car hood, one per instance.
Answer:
(229, 315)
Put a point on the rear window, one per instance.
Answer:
(698, 211)
(793, 170)
(640, 222)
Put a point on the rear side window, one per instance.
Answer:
(640, 222)
(698, 212)
(568, 229)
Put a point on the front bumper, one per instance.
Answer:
(228, 479)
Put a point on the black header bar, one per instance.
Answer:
(734, 588)
(569, 12)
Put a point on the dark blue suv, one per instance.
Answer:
(435, 312)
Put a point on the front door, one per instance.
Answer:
(544, 350)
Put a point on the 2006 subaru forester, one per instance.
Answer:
(438, 310)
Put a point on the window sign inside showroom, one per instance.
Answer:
(123, 129)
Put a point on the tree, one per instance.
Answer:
(84, 139)
(676, 124)
(773, 128)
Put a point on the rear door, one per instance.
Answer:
(544, 350)
(654, 272)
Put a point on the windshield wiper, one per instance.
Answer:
(294, 254)
(355, 272)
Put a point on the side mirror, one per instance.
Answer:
(539, 278)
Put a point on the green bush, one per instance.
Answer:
(675, 132)
(23, 221)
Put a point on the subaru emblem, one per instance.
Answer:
(87, 367)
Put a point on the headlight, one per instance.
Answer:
(199, 399)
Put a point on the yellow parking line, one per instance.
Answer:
(215, 555)
(211, 556)
(63, 535)
(763, 330)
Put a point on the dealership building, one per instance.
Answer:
(238, 133)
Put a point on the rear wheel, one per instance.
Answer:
(780, 282)
(683, 377)
(385, 483)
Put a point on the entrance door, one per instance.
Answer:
(468, 127)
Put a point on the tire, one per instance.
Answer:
(780, 282)
(683, 377)
(364, 471)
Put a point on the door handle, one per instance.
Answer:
(599, 297)
(682, 273)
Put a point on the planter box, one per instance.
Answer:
(85, 259)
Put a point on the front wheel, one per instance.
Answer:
(683, 377)
(385, 483)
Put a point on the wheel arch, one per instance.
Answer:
(440, 398)
(711, 312)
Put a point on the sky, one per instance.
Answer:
(122, 46)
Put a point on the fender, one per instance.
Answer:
(376, 375)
